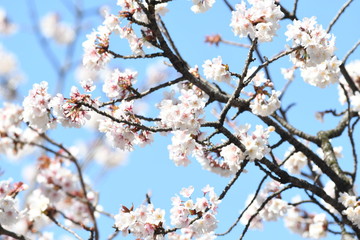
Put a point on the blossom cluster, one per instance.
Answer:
(59, 190)
(182, 146)
(256, 147)
(36, 107)
(133, 10)
(352, 207)
(9, 212)
(142, 222)
(260, 21)
(200, 6)
(12, 135)
(295, 161)
(185, 112)
(51, 27)
(124, 133)
(118, 84)
(96, 46)
(216, 70)
(305, 224)
(323, 74)
(315, 52)
(69, 112)
(10, 75)
(194, 218)
(264, 103)
(316, 44)
(256, 143)
(271, 211)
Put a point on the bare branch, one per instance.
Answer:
(351, 51)
(341, 11)
(151, 55)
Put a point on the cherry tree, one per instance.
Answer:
(230, 115)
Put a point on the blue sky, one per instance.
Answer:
(149, 169)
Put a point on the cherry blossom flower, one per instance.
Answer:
(316, 44)
(141, 222)
(295, 161)
(323, 74)
(264, 107)
(272, 211)
(70, 112)
(184, 212)
(288, 73)
(36, 107)
(259, 21)
(122, 134)
(51, 27)
(200, 6)
(9, 210)
(184, 113)
(132, 8)
(119, 84)
(233, 156)
(216, 70)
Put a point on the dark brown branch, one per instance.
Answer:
(151, 55)
(231, 183)
(240, 86)
(302, 184)
(348, 78)
(296, 131)
(6, 232)
(145, 93)
(342, 184)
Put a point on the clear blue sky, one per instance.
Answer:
(150, 168)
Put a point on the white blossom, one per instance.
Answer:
(36, 107)
(265, 106)
(200, 6)
(259, 21)
(51, 27)
(216, 70)
(316, 44)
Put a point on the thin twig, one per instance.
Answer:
(240, 86)
(151, 55)
(42, 40)
(341, 11)
(90, 207)
(235, 43)
(246, 208)
(64, 227)
(350, 52)
(275, 194)
(145, 93)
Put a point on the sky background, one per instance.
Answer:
(149, 168)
